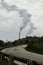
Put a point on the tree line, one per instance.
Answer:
(27, 40)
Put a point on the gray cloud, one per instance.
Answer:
(32, 28)
(8, 7)
(26, 17)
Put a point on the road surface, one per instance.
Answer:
(20, 52)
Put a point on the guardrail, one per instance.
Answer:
(12, 58)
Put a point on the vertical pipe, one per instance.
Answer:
(11, 60)
(1, 56)
(19, 35)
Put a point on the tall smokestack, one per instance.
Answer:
(19, 35)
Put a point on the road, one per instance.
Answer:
(20, 52)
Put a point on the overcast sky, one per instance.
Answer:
(11, 18)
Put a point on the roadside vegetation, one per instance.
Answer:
(4, 45)
(34, 44)
(5, 62)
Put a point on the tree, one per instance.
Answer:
(1, 43)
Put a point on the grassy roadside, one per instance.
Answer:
(37, 48)
(5, 62)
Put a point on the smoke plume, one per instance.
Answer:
(32, 28)
(8, 7)
(26, 17)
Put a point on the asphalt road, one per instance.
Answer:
(20, 52)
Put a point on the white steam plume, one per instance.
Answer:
(26, 17)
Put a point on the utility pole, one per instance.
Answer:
(19, 35)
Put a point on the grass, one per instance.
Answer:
(5, 62)
(37, 48)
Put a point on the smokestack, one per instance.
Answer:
(19, 35)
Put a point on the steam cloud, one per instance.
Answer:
(32, 28)
(26, 17)
(8, 7)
